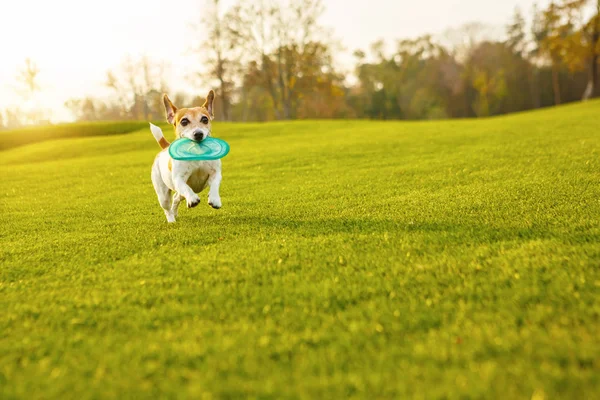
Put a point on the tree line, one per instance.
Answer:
(272, 60)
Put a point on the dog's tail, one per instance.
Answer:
(158, 135)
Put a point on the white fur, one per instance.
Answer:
(184, 180)
(156, 132)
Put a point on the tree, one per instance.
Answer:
(461, 40)
(137, 84)
(571, 42)
(32, 112)
(420, 80)
(515, 32)
(278, 36)
(271, 59)
(592, 29)
(220, 53)
(523, 64)
(12, 118)
(488, 62)
(550, 45)
(379, 84)
(28, 77)
(573, 49)
(86, 109)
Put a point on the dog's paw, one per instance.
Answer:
(193, 202)
(214, 203)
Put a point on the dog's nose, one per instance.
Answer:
(198, 135)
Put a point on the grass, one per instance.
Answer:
(454, 259)
(31, 135)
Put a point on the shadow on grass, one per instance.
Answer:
(448, 232)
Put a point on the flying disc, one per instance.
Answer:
(190, 150)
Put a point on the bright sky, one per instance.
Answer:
(74, 42)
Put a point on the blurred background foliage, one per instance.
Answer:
(272, 60)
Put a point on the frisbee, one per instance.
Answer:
(190, 150)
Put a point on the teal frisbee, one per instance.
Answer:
(190, 150)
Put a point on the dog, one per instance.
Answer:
(175, 180)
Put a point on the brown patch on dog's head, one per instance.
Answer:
(192, 123)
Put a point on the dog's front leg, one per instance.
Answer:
(180, 177)
(214, 182)
(183, 189)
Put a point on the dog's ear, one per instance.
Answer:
(170, 109)
(208, 104)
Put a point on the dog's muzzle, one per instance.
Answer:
(199, 135)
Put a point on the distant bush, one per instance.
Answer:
(23, 136)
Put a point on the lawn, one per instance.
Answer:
(29, 135)
(351, 259)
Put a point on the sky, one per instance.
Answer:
(74, 42)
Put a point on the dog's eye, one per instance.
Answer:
(204, 120)
(184, 122)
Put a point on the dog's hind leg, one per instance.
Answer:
(176, 200)
(214, 182)
(163, 192)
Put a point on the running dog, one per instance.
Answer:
(176, 180)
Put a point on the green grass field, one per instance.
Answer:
(351, 259)
(30, 135)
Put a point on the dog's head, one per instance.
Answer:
(192, 123)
